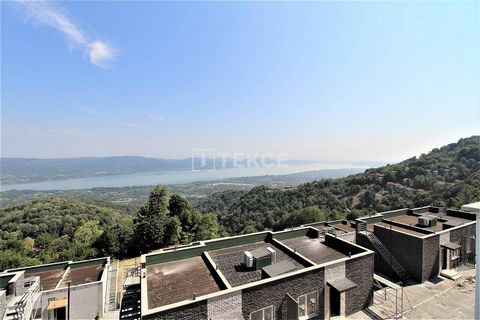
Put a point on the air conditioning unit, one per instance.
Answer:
(248, 259)
(427, 221)
(424, 221)
(273, 254)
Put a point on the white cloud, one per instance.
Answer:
(131, 125)
(156, 117)
(89, 110)
(43, 12)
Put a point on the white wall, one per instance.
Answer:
(86, 301)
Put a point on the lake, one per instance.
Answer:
(170, 177)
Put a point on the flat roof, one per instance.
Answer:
(82, 275)
(445, 220)
(344, 227)
(230, 260)
(313, 249)
(178, 280)
(48, 279)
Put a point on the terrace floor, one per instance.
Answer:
(313, 249)
(230, 260)
(177, 281)
(82, 275)
(344, 227)
(398, 228)
(413, 221)
(48, 279)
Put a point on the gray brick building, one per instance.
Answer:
(318, 276)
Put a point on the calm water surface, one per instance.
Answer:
(169, 177)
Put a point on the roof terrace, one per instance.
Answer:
(48, 279)
(407, 220)
(82, 274)
(178, 280)
(313, 249)
(230, 262)
(183, 274)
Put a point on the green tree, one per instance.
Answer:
(172, 231)
(88, 233)
(151, 219)
(208, 227)
(180, 208)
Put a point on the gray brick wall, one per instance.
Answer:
(193, 311)
(360, 271)
(380, 265)
(456, 235)
(274, 293)
(431, 256)
(407, 249)
(227, 304)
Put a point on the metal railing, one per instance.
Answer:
(22, 309)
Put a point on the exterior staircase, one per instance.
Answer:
(112, 286)
(131, 307)
(383, 251)
(21, 309)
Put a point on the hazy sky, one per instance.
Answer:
(327, 80)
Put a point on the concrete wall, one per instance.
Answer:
(274, 293)
(85, 300)
(191, 311)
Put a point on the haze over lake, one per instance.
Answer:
(170, 177)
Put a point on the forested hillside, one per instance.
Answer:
(448, 176)
(57, 229)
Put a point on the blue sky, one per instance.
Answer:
(316, 80)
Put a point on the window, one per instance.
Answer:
(262, 314)
(307, 305)
(456, 254)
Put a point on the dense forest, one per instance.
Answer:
(57, 229)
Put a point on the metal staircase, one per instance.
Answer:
(383, 251)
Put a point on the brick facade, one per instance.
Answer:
(430, 257)
(360, 271)
(193, 311)
(456, 235)
(224, 305)
(332, 272)
(444, 238)
(274, 293)
(407, 249)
